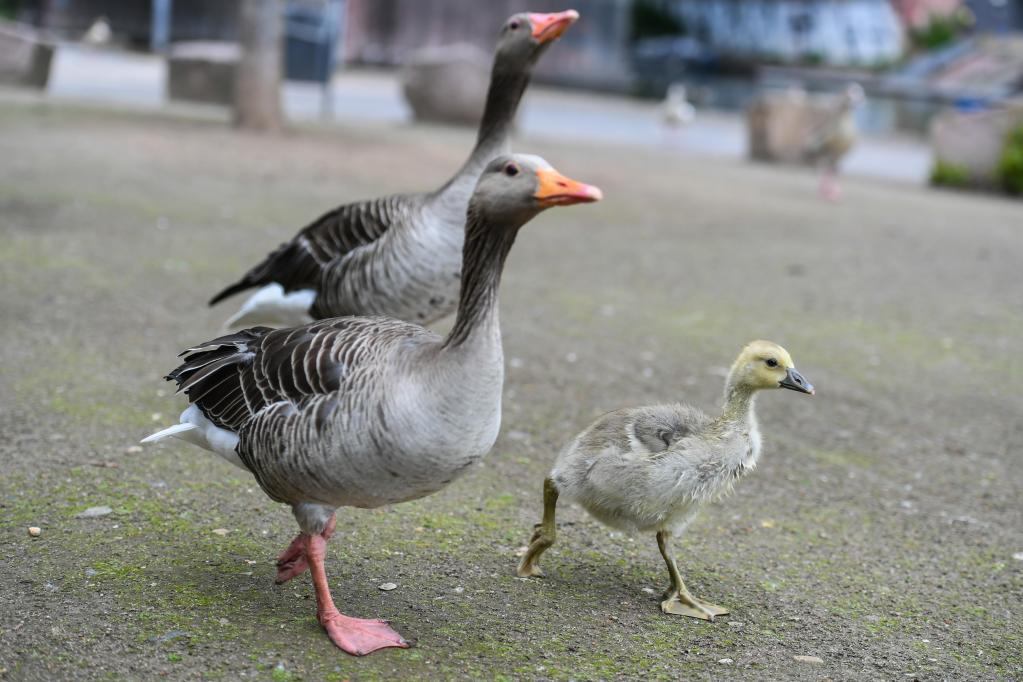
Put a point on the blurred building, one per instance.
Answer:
(595, 53)
(997, 16)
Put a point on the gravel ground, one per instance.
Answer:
(882, 533)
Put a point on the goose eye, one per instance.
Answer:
(513, 25)
(511, 170)
(771, 362)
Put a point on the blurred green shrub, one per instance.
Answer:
(1010, 165)
(945, 174)
(942, 30)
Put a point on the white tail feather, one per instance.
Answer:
(272, 307)
(168, 432)
(198, 430)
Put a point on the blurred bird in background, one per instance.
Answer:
(832, 139)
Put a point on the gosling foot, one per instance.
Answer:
(359, 636)
(529, 567)
(694, 608)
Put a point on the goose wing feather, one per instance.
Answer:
(300, 262)
(233, 378)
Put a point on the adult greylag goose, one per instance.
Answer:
(368, 411)
(648, 469)
(832, 139)
(398, 255)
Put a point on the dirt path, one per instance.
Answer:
(883, 531)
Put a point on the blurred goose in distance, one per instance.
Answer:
(832, 139)
(368, 411)
(677, 110)
(397, 255)
(649, 469)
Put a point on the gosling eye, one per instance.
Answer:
(771, 362)
(511, 170)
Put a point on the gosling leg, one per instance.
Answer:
(677, 600)
(543, 534)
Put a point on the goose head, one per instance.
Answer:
(764, 365)
(516, 187)
(526, 35)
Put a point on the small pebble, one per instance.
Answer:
(816, 660)
(767, 523)
(220, 531)
(725, 661)
(648, 590)
(1018, 556)
(224, 621)
(133, 450)
(157, 416)
(387, 587)
(34, 531)
(93, 512)
(735, 623)
(459, 590)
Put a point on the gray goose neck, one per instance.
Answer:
(503, 97)
(483, 255)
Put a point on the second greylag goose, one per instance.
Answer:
(398, 255)
(368, 411)
(648, 469)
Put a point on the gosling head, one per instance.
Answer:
(762, 365)
(526, 35)
(515, 187)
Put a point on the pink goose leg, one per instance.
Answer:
(291, 562)
(356, 636)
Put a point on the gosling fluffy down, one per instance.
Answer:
(648, 469)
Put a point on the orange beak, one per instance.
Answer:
(557, 190)
(547, 27)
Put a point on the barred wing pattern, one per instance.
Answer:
(304, 370)
(301, 262)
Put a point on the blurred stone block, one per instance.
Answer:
(447, 84)
(973, 140)
(202, 71)
(25, 55)
(780, 124)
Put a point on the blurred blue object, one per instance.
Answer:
(971, 104)
(312, 32)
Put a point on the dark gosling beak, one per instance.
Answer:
(794, 381)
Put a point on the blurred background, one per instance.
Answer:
(942, 77)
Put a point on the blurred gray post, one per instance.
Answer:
(257, 96)
(159, 34)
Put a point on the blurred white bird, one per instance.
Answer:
(99, 33)
(677, 109)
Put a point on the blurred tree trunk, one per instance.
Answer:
(257, 96)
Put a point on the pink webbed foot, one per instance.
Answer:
(358, 636)
(292, 561)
